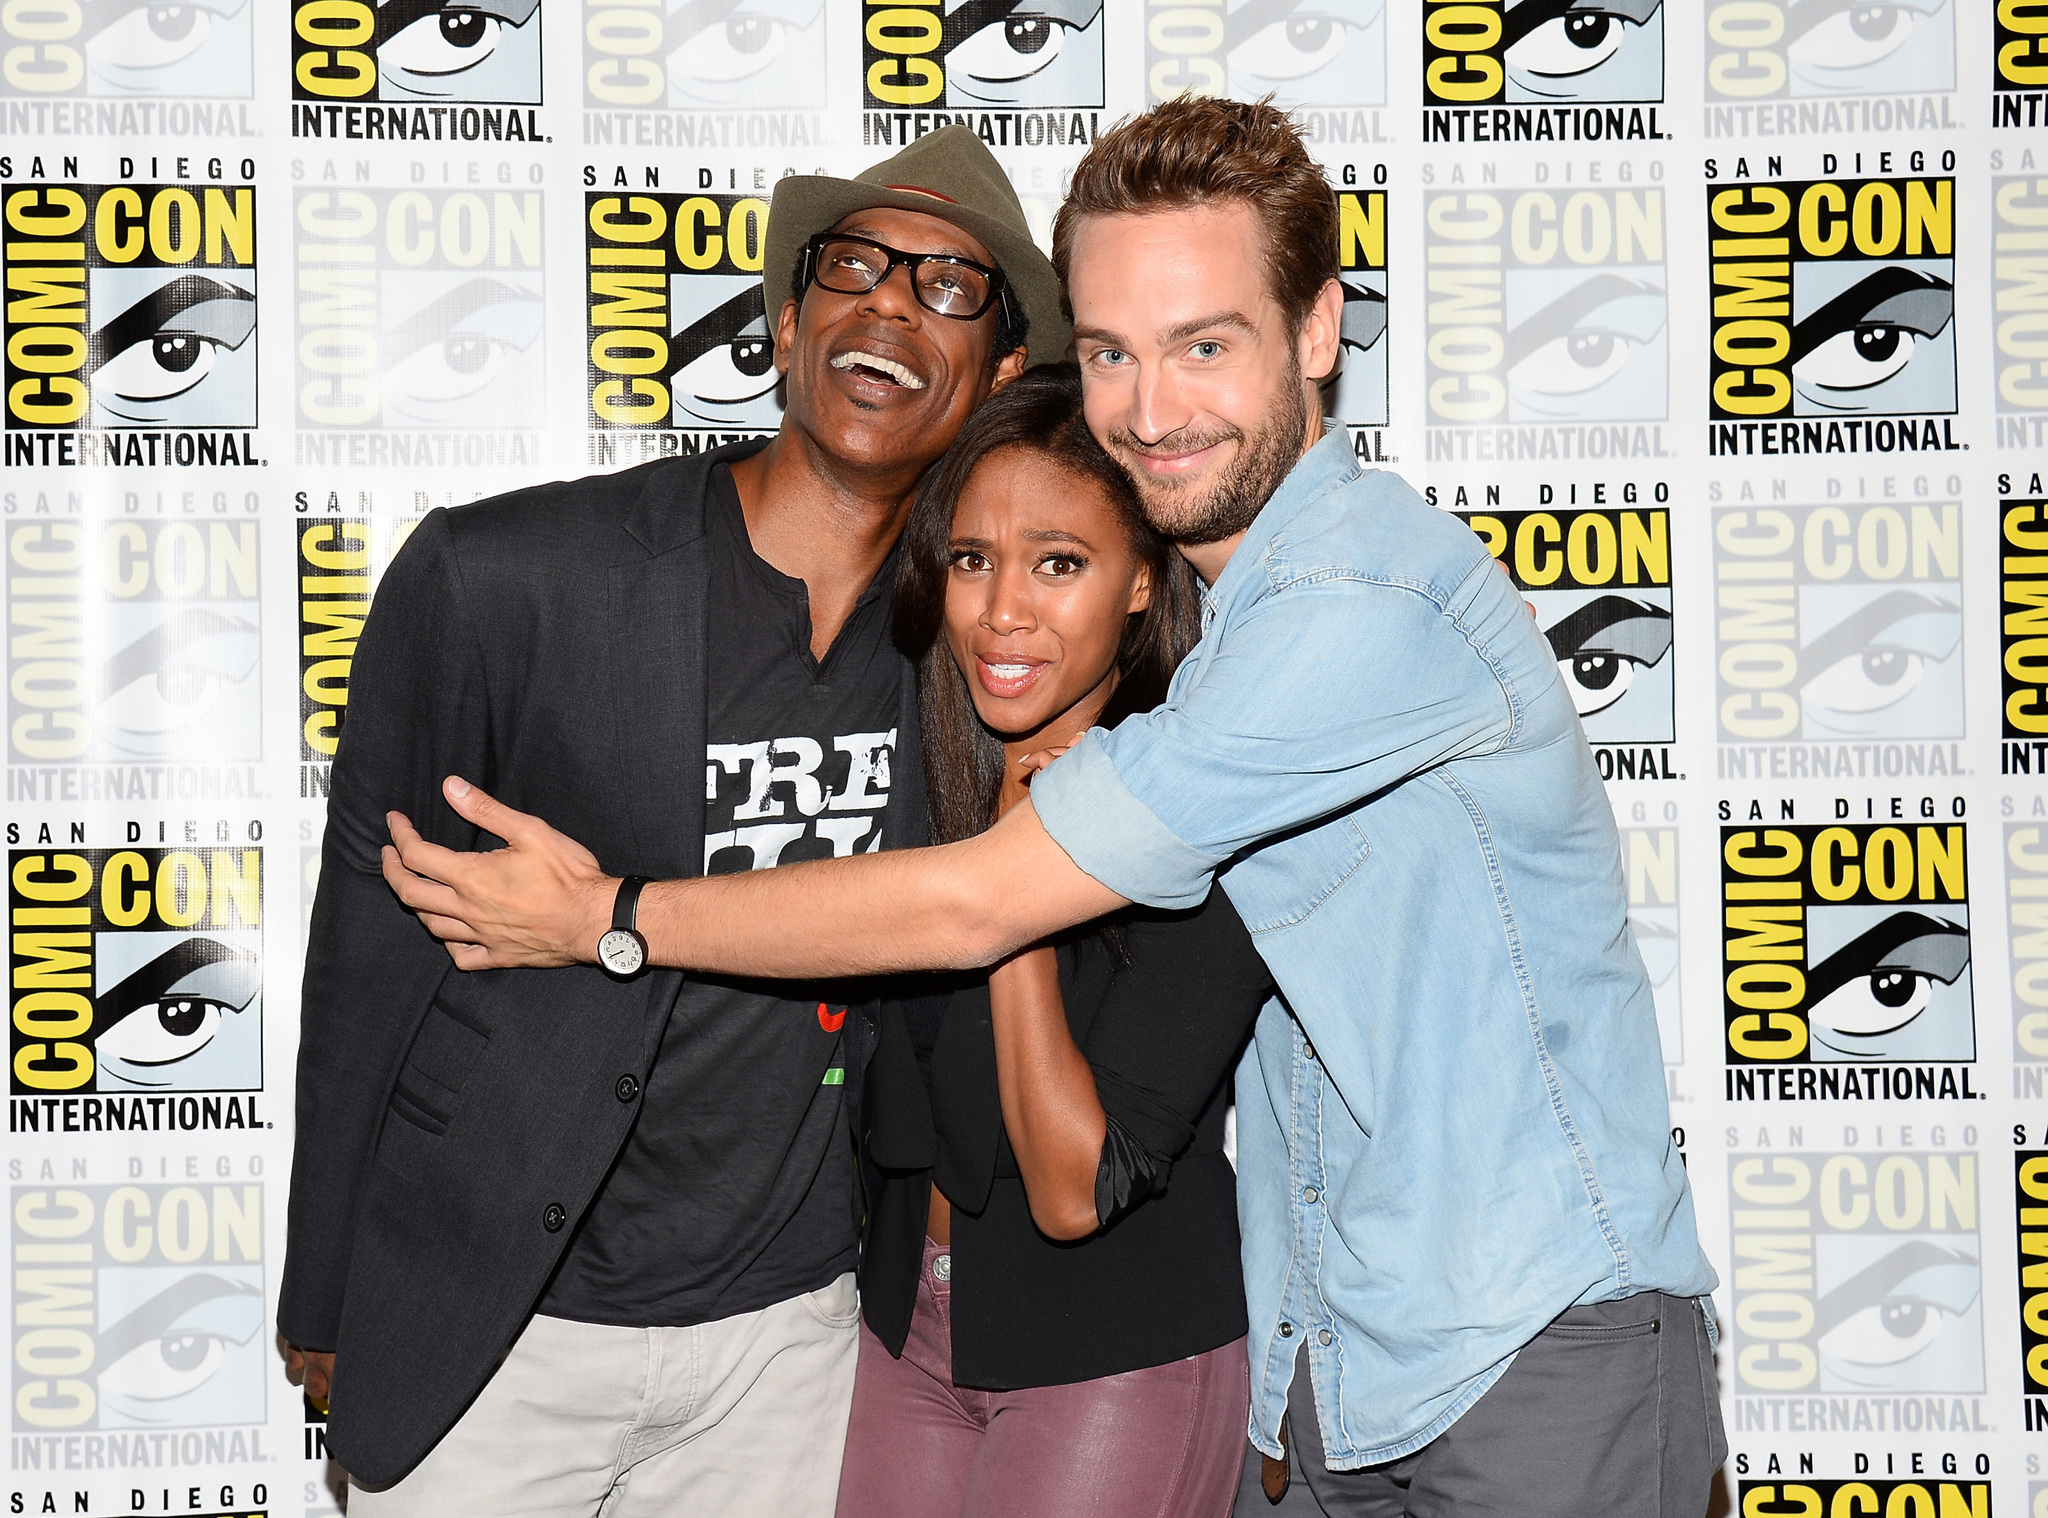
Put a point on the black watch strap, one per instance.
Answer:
(626, 905)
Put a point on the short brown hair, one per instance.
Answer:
(1194, 151)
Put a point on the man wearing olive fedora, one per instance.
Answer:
(562, 1242)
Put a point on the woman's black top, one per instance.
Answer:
(1161, 1025)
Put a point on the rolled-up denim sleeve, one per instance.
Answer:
(1318, 696)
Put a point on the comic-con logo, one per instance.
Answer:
(1545, 306)
(1650, 862)
(139, 1307)
(2026, 896)
(334, 600)
(340, 562)
(1846, 945)
(2023, 634)
(131, 306)
(1300, 52)
(706, 55)
(2019, 76)
(1821, 49)
(1543, 52)
(1861, 1498)
(2031, 1201)
(136, 971)
(2019, 305)
(127, 49)
(429, 52)
(1359, 396)
(918, 54)
(1599, 583)
(679, 334)
(1833, 298)
(134, 641)
(1840, 624)
(1856, 1273)
(419, 309)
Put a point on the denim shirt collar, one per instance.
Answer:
(1327, 464)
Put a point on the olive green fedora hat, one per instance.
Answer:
(947, 174)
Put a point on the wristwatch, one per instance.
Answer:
(622, 951)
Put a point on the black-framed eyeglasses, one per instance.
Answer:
(945, 283)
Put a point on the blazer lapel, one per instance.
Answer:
(660, 631)
(660, 626)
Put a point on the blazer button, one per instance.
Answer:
(627, 1088)
(555, 1217)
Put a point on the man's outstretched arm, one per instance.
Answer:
(545, 900)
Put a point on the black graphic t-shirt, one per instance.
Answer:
(736, 1189)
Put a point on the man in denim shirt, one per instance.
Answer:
(1463, 1215)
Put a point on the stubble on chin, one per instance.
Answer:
(1193, 513)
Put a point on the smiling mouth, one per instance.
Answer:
(872, 366)
(1003, 677)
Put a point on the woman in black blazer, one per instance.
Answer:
(1054, 1309)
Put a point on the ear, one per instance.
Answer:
(1322, 333)
(1010, 366)
(785, 335)
(1141, 590)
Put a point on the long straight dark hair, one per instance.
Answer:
(1038, 413)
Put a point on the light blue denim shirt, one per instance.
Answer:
(1461, 1130)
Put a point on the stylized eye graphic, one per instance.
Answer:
(176, 673)
(174, 1343)
(1365, 316)
(1881, 980)
(737, 48)
(1004, 41)
(433, 39)
(1561, 39)
(156, 36)
(1010, 50)
(1656, 941)
(179, 999)
(1600, 645)
(461, 342)
(725, 358)
(1896, 1307)
(1877, 657)
(1291, 39)
(1583, 338)
(1837, 36)
(167, 342)
(1868, 333)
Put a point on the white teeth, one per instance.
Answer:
(1009, 671)
(887, 366)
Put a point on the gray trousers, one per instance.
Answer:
(1610, 1412)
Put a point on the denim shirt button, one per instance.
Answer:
(1308, 1051)
(1325, 1337)
(1309, 1195)
(1286, 1330)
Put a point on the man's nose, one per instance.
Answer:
(895, 297)
(1157, 405)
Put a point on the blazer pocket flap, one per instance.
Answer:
(445, 1050)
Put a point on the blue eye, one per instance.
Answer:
(1206, 350)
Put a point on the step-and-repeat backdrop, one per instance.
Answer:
(1724, 323)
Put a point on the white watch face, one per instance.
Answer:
(620, 951)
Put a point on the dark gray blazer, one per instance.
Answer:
(452, 1127)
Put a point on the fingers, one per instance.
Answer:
(319, 1376)
(418, 892)
(475, 805)
(420, 856)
